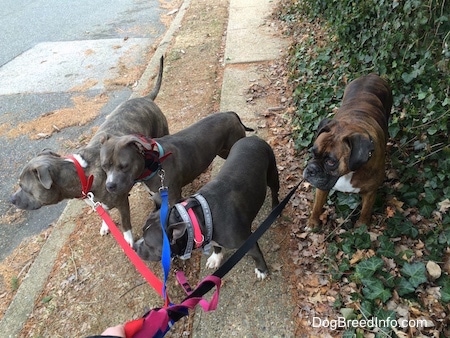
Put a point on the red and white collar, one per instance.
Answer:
(86, 182)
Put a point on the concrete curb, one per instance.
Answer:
(153, 65)
(22, 305)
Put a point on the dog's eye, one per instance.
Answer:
(123, 167)
(330, 162)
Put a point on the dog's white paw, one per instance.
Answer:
(104, 230)
(260, 275)
(214, 260)
(128, 237)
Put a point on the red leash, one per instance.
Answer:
(148, 275)
(86, 184)
(158, 321)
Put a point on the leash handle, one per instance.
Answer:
(158, 322)
(192, 302)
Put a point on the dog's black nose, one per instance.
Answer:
(111, 187)
(13, 199)
(311, 170)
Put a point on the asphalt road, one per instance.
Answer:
(43, 56)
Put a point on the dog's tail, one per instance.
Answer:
(243, 125)
(152, 95)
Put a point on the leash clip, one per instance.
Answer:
(162, 175)
(91, 201)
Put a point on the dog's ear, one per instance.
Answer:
(324, 126)
(104, 137)
(47, 151)
(175, 231)
(43, 175)
(361, 146)
(140, 143)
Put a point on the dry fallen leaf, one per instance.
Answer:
(357, 256)
(444, 205)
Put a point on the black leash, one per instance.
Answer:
(237, 256)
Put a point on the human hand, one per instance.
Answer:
(118, 331)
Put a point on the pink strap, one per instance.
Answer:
(198, 236)
(192, 302)
(158, 319)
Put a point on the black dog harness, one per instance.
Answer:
(196, 239)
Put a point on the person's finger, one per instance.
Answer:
(118, 331)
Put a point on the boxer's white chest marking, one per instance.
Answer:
(344, 184)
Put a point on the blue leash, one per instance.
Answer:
(166, 255)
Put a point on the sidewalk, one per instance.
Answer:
(247, 307)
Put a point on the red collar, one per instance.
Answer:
(86, 182)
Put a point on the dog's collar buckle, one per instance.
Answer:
(198, 243)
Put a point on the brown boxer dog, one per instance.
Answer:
(349, 150)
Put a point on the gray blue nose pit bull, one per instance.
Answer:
(50, 178)
(234, 198)
(125, 158)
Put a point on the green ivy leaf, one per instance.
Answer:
(368, 267)
(405, 287)
(374, 289)
(386, 315)
(416, 273)
(422, 95)
(444, 237)
(387, 248)
(348, 313)
(426, 210)
(399, 226)
(444, 282)
(349, 333)
(366, 308)
(408, 77)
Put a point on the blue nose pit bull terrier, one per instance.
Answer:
(224, 213)
(183, 155)
(49, 178)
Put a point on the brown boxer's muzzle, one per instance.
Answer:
(317, 175)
